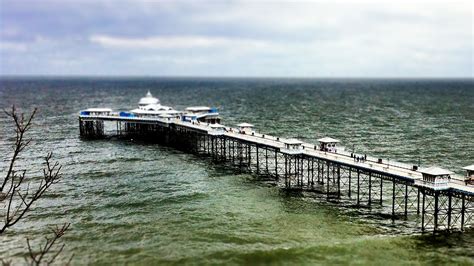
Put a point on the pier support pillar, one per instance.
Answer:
(328, 182)
(423, 211)
(358, 187)
(370, 188)
(338, 181)
(258, 160)
(436, 210)
(276, 164)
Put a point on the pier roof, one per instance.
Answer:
(161, 111)
(470, 167)
(328, 140)
(198, 108)
(292, 141)
(152, 107)
(435, 171)
(148, 99)
(167, 115)
(98, 110)
(217, 126)
(245, 125)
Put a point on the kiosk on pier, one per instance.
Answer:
(245, 128)
(328, 144)
(217, 129)
(436, 177)
(292, 146)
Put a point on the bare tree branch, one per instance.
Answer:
(51, 175)
(36, 258)
(18, 196)
(21, 127)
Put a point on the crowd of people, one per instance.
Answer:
(359, 158)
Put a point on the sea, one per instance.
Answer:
(138, 203)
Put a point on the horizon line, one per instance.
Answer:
(224, 77)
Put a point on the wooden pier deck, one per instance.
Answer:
(306, 167)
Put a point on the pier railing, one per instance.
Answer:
(371, 183)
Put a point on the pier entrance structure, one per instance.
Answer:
(432, 198)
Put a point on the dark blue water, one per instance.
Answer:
(143, 203)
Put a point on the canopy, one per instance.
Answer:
(328, 140)
(141, 111)
(245, 125)
(198, 108)
(98, 110)
(217, 126)
(470, 167)
(292, 141)
(435, 171)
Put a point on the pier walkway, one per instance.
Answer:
(435, 198)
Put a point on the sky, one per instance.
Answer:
(237, 38)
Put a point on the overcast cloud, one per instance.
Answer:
(235, 38)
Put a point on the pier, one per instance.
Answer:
(436, 198)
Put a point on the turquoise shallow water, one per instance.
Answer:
(138, 203)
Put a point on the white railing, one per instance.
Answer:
(434, 185)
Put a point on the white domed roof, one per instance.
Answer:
(148, 99)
